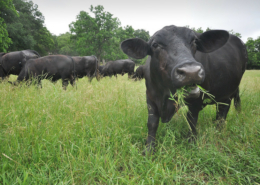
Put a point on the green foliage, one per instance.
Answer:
(94, 36)
(253, 49)
(95, 134)
(28, 30)
(7, 11)
(5, 41)
(44, 41)
(142, 34)
(101, 35)
(64, 45)
(114, 52)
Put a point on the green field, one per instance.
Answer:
(95, 134)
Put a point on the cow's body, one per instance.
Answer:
(118, 67)
(139, 73)
(86, 66)
(55, 67)
(218, 66)
(13, 62)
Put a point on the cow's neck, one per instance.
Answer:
(161, 93)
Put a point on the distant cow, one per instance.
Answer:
(12, 63)
(180, 57)
(86, 66)
(55, 67)
(118, 67)
(139, 73)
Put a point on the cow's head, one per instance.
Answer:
(172, 51)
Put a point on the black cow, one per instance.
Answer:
(86, 66)
(118, 67)
(139, 73)
(55, 67)
(180, 57)
(12, 63)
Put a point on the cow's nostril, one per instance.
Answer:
(180, 72)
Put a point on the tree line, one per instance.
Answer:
(22, 27)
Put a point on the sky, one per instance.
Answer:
(241, 16)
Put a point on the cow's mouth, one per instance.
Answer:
(192, 91)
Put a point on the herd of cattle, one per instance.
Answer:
(28, 63)
(178, 57)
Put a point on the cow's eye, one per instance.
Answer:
(155, 45)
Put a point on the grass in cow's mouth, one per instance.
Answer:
(180, 94)
(210, 99)
(178, 98)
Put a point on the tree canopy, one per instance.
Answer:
(7, 11)
(253, 49)
(95, 35)
(101, 34)
(28, 31)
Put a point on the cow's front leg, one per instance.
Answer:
(222, 111)
(192, 117)
(65, 83)
(152, 124)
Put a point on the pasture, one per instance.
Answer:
(95, 134)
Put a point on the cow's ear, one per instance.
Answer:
(211, 40)
(136, 48)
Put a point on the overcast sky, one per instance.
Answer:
(243, 16)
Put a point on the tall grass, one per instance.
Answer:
(95, 134)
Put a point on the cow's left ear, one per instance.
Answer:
(211, 40)
(135, 48)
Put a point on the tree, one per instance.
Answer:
(114, 52)
(44, 41)
(65, 45)
(7, 11)
(101, 35)
(142, 34)
(94, 36)
(253, 50)
(28, 31)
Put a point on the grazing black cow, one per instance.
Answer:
(55, 67)
(12, 63)
(86, 66)
(139, 73)
(118, 67)
(180, 57)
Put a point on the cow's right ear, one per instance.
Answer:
(136, 48)
(212, 40)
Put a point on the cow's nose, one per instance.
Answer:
(187, 74)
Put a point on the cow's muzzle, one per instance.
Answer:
(189, 73)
